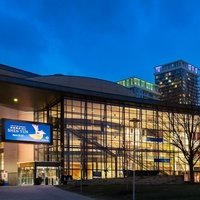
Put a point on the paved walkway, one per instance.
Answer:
(38, 193)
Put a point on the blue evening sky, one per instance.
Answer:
(106, 39)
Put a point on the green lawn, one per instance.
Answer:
(143, 192)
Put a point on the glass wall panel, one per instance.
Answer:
(104, 139)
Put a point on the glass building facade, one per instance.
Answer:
(98, 136)
(99, 129)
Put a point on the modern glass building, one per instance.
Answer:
(178, 82)
(141, 88)
(99, 129)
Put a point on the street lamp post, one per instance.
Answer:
(135, 121)
(81, 166)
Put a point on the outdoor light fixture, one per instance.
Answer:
(15, 100)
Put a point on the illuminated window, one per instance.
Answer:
(132, 81)
(142, 84)
(148, 86)
(129, 82)
(189, 67)
(158, 69)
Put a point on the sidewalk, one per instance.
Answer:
(38, 193)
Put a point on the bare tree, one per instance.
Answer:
(184, 134)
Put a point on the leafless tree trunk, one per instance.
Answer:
(185, 135)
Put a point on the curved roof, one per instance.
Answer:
(85, 83)
(14, 72)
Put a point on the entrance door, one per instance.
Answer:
(48, 171)
(49, 175)
(25, 173)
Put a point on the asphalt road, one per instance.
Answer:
(37, 193)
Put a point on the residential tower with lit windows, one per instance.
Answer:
(178, 82)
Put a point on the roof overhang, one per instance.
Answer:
(34, 95)
(30, 96)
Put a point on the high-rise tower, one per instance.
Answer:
(178, 82)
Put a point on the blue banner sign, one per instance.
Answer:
(164, 160)
(153, 139)
(28, 132)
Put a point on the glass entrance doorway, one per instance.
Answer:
(25, 173)
(48, 172)
(49, 175)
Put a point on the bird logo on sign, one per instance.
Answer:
(38, 135)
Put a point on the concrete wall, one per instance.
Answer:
(12, 178)
(10, 157)
(15, 152)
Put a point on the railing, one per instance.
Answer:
(99, 146)
(89, 141)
